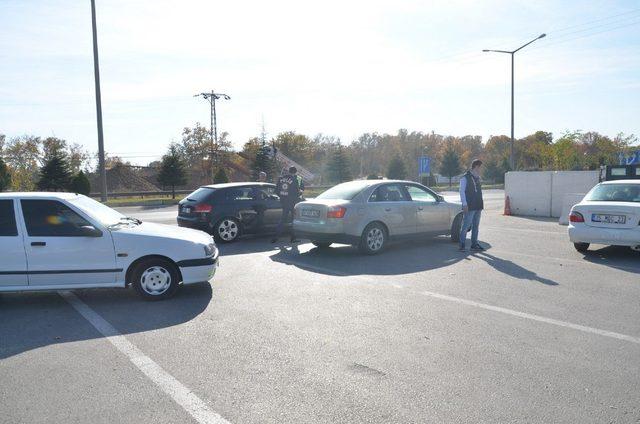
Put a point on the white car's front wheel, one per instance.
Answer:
(156, 279)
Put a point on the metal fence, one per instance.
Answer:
(167, 193)
(142, 194)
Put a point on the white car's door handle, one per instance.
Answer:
(38, 243)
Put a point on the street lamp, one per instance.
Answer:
(512, 53)
(96, 74)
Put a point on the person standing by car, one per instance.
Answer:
(262, 177)
(472, 205)
(289, 188)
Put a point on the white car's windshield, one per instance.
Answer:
(615, 193)
(344, 191)
(97, 210)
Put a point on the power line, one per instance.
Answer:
(564, 40)
(605, 25)
(633, 11)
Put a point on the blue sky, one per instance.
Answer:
(337, 67)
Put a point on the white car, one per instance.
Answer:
(54, 241)
(609, 214)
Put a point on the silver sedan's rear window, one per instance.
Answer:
(344, 191)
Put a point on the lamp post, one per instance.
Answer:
(513, 53)
(96, 74)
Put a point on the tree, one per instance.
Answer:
(338, 168)
(199, 151)
(262, 163)
(298, 147)
(450, 166)
(22, 155)
(172, 170)
(80, 184)
(566, 151)
(493, 172)
(5, 176)
(221, 176)
(55, 174)
(397, 169)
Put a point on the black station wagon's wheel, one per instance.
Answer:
(227, 230)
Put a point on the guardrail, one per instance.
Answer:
(142, 194)
(167, 193)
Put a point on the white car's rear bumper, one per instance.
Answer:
(582, 233)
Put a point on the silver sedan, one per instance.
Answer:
(370, 213)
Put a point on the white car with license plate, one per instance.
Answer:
(609, 214)
(54, 241)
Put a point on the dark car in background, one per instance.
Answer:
(229, 210)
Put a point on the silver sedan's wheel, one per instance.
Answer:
(374, 239)
(155, 280)
(227, 230)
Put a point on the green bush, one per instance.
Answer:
(80, 184)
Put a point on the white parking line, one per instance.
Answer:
(525, 315)
(533, 317)
(181, 394)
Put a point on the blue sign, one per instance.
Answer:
(634, 159)
(424, 165)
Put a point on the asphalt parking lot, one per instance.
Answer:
(528, 331)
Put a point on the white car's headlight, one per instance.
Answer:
(209, 249)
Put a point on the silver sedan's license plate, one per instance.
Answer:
(608, 219)
(310, 213)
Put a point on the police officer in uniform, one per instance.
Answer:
(290, 187)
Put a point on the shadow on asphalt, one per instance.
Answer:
(253, 243)
(512, 269)
(397, 259)
(619, 257)
(400, 258)
(30, 321)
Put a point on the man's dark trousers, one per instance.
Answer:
(287, 215)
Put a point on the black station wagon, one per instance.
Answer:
(229, 210)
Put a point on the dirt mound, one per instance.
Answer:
(122, 179)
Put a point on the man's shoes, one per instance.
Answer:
(477, 248)
(462, 249)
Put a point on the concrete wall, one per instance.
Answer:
(570, 182)
(542, 193)
(529, 192)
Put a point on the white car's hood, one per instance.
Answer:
(149, 229)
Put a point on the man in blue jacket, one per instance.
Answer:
(472, 205)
